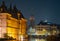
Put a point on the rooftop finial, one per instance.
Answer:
(10, 6)
(3, 3)
(3, 7)
(15, 9)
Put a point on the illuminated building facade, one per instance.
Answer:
(42, 30)
(47, 28)
(12, 23)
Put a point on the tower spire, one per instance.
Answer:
(3, 3)
(15, 9)
(10, 6)
(3, 7)
(32, 21)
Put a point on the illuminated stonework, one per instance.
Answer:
(12, 23)
(41, 31)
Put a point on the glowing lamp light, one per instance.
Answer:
(21, 38)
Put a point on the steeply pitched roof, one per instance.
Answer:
(16, 11)
(11, 10)
(3, 7)
(46, 23)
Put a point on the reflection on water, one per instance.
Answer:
(30, 40)
(37, 39)
(40, 39)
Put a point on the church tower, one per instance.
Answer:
(32, 21)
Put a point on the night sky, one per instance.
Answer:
(41, 9)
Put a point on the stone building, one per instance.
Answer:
(12, 23)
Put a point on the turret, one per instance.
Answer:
(32, 21)
(15, 10)
(21, 15)
(10, 8)
(3, 7)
